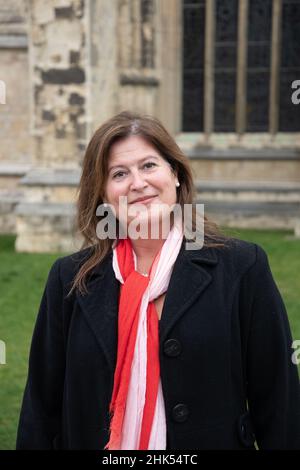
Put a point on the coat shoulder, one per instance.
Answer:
(69, 265)
(239, 256)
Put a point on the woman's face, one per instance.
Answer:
(137, 170)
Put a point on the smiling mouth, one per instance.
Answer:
(144, 201)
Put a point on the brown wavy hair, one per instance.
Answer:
(90, 192)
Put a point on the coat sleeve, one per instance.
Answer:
(272, 381)
(40, 417)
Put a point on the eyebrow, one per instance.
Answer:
(140, 161)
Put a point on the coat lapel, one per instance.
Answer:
(188, 281)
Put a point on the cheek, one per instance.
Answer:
(167, 185)
(162, 182)
(170, 193)
(115, 191)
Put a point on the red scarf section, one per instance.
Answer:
(131, 295)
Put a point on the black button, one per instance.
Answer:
(180, 413)
(172, 348)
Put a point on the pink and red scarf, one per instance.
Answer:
(137, 408)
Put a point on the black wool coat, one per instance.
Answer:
(225, 356)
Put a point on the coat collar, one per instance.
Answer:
(190, 277)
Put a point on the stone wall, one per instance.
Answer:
(14, 114)
(102, 74)
(71, 64)
(137, 55)
(58, 68)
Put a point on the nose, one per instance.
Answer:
(137, 181)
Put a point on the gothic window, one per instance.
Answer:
(193, 62)
(147, 33)
(258, 71)
(136, 30)
(289, 113)
(258, 68)
(225, 65)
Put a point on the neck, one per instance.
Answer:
(147, 249)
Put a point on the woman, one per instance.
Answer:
(146, 342)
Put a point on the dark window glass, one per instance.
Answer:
(258, 68)
(225, 65)
(289, 113)
(193, 62)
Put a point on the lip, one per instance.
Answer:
(144, 199)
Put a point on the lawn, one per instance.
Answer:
(23, 278)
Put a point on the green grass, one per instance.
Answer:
(22, 280)
(283, 251)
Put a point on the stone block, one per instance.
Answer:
(15, 138)
(62, 3)
(9, 198)
(46, 228)
(263, 191)
(246, 169)
(13, 41)
(47, 243)
(253, 214)
(37, 34)
(43, 11)
(62, 36)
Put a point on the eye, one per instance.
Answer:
(147, 165)
(119, 174)
(150, 163)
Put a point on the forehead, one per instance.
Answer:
(133, 146)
